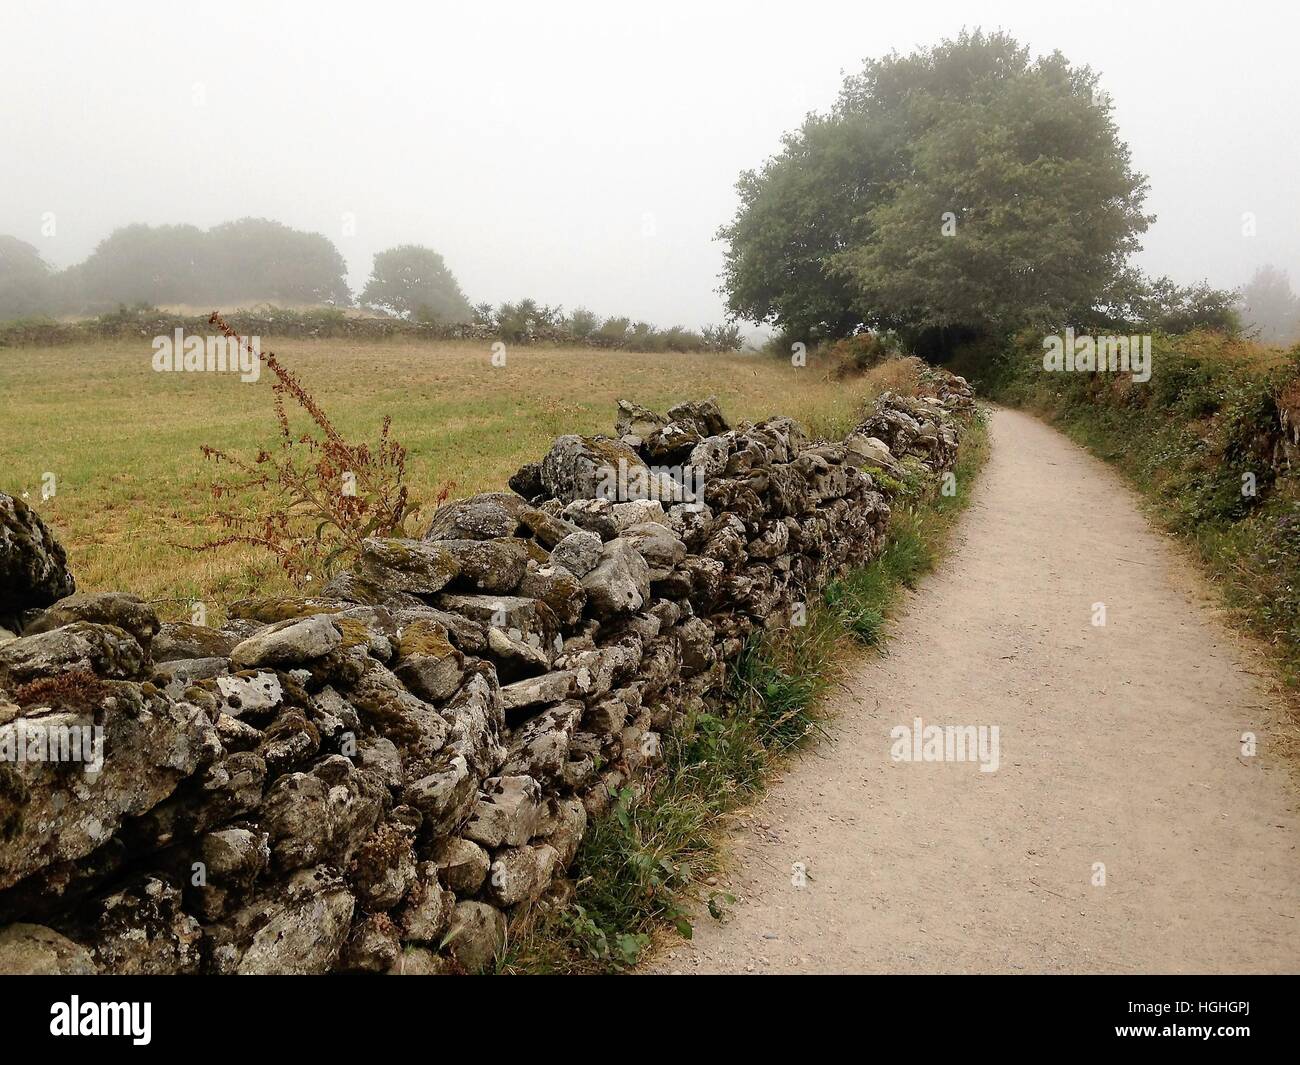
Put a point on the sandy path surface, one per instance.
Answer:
(1119, 744)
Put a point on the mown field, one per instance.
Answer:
(124, 442)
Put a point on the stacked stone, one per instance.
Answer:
(377, 778)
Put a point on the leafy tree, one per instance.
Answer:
(513, 321)
(962, 189)
(248, 259)
(799, 211)
(1269, 304)
(1173, 308)
(1135, 302)
(142, 264)
(26, 285)
(613, 331)
(582, 323)
(261, 259)
(412, 280)
(722, 337)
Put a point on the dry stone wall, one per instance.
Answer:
(378, 777)
(282, 323)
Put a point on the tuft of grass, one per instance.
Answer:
(642, 866)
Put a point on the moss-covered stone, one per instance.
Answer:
(33, 565)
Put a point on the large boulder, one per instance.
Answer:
(427, 663)
(658, 545)
(495, 516)
(33, 565)
(540, 747)
(142, 929)
(590, 467)
(620, 583)
(295, 928)
(507, 814)
(80, 648)
(127, 612)
(180, 641)
(319, 816)
(520, 874)
(477, 935)
(34, 950)
(461, 864)
(634, 420)
(481, 517)
(579, 553)
(486, 565)
(60, 810)
(289, 643)
(867, 452)
(529, 621)
(558, 588)
(704, 416)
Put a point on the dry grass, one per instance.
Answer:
(1209, 346)
(902, 376)
(124, 442)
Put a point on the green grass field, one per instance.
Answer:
(123, 441)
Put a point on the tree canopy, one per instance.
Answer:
(965, 187)
(414, 282)
(248, 259)
(25, 279)
(268, 260)
(1269, 305)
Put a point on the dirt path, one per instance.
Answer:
(1118, 745)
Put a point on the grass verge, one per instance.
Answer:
(644, 865)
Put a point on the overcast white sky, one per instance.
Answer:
(583, 153)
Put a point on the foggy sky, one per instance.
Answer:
(583, 153)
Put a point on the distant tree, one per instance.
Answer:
(411, 280)
(248, 259)
(1134, 302)
(143, 264)
(551, 317)
(963, 189)
(613, 331)
(1173, 308)
(582, 322)
(722, 338)
(1269, 304)
(259, 259)
(514, 321)
(26, 282)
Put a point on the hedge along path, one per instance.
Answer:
(1119, 744)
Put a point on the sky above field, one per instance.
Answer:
(583, 153)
